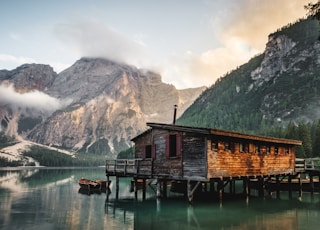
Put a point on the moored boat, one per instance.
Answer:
(93, 184)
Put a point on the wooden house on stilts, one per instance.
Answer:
(199, 158)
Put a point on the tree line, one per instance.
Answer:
(307, 132)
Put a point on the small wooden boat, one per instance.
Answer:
(93, 184)
(139, 184)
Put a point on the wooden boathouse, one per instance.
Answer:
(192, 158)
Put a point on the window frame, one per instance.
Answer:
(173, 145)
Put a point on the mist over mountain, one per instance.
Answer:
(279, 86)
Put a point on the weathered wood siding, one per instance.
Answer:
(194, 156)
(162, 165)
(233, 163)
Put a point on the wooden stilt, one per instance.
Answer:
(211, 186)
(231, 186)
(117, 188)
(300, 186)
(311, 184)
(278, 186)
(135, 188)
(164, 192)
(158, 188)
(189, 192)
(261, 187)
(143, 189)
(220, 189)
(246, 186)
(290, 186)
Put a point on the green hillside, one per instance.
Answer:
(274, 89)
(238, 102)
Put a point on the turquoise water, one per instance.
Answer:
(50, 199)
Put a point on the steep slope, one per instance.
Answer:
(28, 79)
(111, 103)
(278, 86)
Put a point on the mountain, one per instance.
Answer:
(99, 104)
(15, 106)
(278, 86)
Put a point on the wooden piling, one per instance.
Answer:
(261, 186)
(300, 185)
(290, 186)
(164, 189)
(311, 184)
(220, 189)
(246, 188)
(144, 189)
(117, 188)
(158, 188)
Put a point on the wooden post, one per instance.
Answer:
(158, 188)
(290, 186)
(278, 186)
(164, 188)
(261, 186)
(144, 189)
(189, 192)
(300, 186)
(231, 186)
(246, 189)
(211, 186)
(117, 187)
(220, 189)
(311, 184)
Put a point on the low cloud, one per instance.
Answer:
(94, 39)
(10, 60)
(31, 100)
(242, 31)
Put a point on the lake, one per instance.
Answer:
(50, 199)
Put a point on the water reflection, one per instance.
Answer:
(52, 199)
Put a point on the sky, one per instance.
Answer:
(191, 43)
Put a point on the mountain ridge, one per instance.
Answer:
(102, 105)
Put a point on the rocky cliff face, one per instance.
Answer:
(107, 104)
(19, 91)
(279, 86)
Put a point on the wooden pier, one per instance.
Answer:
(304, 179)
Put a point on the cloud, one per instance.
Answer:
(192, 70)
(242, 31)
(253, 20)
(32, 100)
(94, 39)
(11, 60)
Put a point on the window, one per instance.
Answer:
(148, 151)
(241, 147)
(173, 145)
(268, 149)
(214, 145)
(287, 150)
(276, 150)
(227, 146)
(251, 148)
(257, 148)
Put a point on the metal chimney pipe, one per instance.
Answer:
(175, 114)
